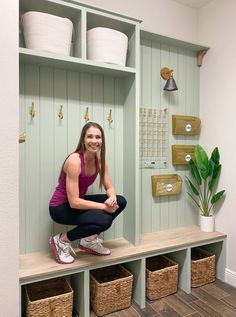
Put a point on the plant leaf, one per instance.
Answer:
(217, 196)
(192, 187)
(214, 177)
(215, 156)
(195, 172)
(202, 161)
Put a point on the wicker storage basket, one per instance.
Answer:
(51, 298)
(202, 267)
(168, 184)
(161, 277)
(110, 289)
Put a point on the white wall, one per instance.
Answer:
(217, 27)
(9, 238)
(164, 17)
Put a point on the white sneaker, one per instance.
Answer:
(62, 250)
(94, 247)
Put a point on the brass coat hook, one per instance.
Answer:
(22, 138)
(109, 117)
(86, 115)
(32, 110)
(60, 113)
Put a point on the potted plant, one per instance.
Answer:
(204, 177)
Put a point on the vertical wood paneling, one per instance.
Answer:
(156, 104)
(32, 212)
(173, 109)
(46, 154)
(118, 149)
(146, 102)
(168, 211)
(165, 104)
(60, 128)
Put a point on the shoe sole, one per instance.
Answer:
(84, 249)
(54, 249)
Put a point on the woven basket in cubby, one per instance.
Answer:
(161, 277)
(48, 298)
(110, 289)
(202, 267)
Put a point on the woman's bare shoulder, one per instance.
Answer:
(73, 163)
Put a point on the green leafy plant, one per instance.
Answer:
(204, 177)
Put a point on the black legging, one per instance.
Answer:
(88, 222)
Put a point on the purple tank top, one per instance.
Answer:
(60, 196)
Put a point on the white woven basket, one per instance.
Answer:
(46, 32)
(107, 45)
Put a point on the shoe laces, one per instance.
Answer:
(67, 249)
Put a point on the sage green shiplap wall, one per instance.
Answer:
(168, 211)
(49, 140)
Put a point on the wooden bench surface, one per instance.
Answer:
(41, 265)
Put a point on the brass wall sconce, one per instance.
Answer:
(167, 74)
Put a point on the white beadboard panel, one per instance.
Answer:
(168, 211)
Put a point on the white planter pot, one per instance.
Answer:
(207, 224)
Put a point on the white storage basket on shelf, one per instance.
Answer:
(107, 45)
(46, 32)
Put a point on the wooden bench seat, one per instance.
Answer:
(41, 265)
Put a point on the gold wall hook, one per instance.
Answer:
(60, 113)
(32, 110)
(86, 115)
(22, 138)
(109, 117)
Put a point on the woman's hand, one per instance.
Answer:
(111, 204)
(111, 201)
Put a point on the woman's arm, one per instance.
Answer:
(72, 168)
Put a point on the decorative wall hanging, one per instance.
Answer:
(166, 184)
(182, 154)
(153, 138)
(185, 125)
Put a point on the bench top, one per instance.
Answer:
(42, 265)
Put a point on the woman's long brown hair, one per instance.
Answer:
(81, 148)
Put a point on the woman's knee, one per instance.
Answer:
(121, 202)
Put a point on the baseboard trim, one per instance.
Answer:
(230, 277)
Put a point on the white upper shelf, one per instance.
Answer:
(73, 63)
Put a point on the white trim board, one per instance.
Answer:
(230, 277)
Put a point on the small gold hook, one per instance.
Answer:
(60, 113)
(22, 138)
(86, 115)
(32, 110)
(109, 117)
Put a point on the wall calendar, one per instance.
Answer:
(153, 138)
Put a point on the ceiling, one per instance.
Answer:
(196, 4)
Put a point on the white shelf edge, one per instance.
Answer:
(73, 63)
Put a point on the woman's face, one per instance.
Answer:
(93, 140)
